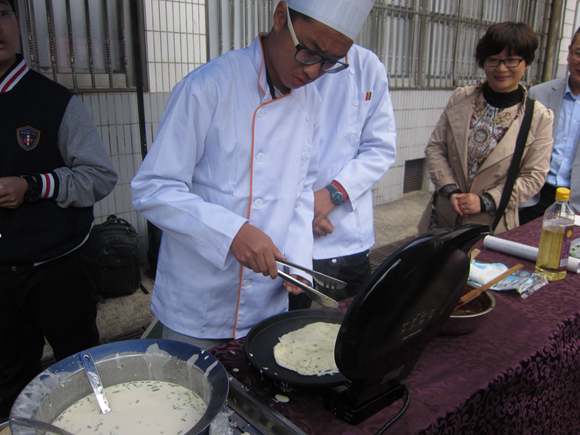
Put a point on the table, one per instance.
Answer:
(518, 373)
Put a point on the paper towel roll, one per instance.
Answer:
(523, 251)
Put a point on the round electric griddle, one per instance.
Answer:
(260, 342)
(400, 308)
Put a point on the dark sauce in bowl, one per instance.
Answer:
(475, 306)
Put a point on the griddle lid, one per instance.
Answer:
(403, 305)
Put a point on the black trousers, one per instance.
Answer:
(547, 198)
(56, 301)
(352, 269)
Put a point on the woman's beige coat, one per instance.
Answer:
(446, 155)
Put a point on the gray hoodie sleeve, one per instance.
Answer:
(88, 175)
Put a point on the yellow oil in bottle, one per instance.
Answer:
(556, 237)
(549, 255)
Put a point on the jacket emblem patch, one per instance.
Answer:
(27, 137)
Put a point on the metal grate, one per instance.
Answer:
(430, 43)
(425, 44)
(85, 45)
(413, 175)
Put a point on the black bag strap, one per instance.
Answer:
(514, 168)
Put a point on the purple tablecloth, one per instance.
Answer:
(518, 373)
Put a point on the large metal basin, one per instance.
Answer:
(62, 384)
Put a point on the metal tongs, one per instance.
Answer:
(325, 281)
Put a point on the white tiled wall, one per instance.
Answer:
(175, 38)
(176, 41)
(416, 113)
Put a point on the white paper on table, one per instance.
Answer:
(523, 251)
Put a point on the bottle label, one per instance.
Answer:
(566, 243)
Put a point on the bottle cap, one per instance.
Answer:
(562, 194)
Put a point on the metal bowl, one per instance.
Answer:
(460, 324)
(62, 384)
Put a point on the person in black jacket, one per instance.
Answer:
(54, 167)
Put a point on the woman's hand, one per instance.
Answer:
(465, 204)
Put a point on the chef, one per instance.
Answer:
(229, 176)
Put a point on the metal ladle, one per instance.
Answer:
(37, 424)
(95, 381)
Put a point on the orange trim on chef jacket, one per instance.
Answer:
(251, 188)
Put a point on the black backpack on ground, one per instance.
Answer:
(116, 244)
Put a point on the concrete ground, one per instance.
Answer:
(127, 317)
(398, 220)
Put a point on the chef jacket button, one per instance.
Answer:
(13, 268)
(352, 137)
(303, 156)
(351, 70)
(246, 283)
(260, 113)
(333, 261)
(258, 202)
(307, 117)
(260, 157)
(355, 102)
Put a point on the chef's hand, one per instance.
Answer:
(255, 250)
(323, 205)
(324, 228)
(293, 288)
(12, 192)
(465, 204)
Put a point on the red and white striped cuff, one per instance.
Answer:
(49, 184)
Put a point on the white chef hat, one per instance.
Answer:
(345, 16)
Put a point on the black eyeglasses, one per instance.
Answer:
(494, 62)
(6, 15)
(309, 57)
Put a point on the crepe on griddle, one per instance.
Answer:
(309, 351)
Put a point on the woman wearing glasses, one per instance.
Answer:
(471, 148)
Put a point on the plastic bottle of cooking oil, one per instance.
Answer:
(556, 237)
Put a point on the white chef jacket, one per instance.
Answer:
(357, 146)
(226, 154)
